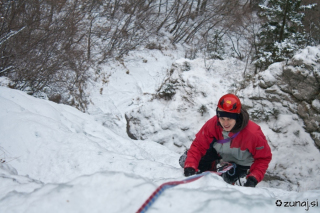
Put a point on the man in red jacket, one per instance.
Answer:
(232, 137)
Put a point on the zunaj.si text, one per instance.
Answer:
(305, 204)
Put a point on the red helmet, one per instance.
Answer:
(230, 103)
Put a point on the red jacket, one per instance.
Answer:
(250, 138)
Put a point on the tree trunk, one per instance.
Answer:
(286, 9)
(203, 6)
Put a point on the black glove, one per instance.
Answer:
(251, 182)
(189, 171)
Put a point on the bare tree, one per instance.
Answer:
(46, 52)
(311, 22)
(48, 45)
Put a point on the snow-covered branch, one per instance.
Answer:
(6, 69)
(7, 36)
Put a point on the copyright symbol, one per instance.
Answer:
(278, 202)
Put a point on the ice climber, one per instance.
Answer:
(230, 137)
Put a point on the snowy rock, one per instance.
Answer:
(286, 98)
(316, 105)
(184, 101)
(295, 85)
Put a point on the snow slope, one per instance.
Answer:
(61, 160)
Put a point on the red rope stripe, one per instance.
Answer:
(167, 185)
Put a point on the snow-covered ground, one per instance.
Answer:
(58, 159)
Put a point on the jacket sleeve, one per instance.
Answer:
(200, 144)
(262, 156)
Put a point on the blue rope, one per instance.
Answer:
(234, 170)
(195, 176)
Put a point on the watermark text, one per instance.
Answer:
(306, 204)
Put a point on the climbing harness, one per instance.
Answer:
(146, 205)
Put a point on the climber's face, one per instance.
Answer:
(227, 123)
